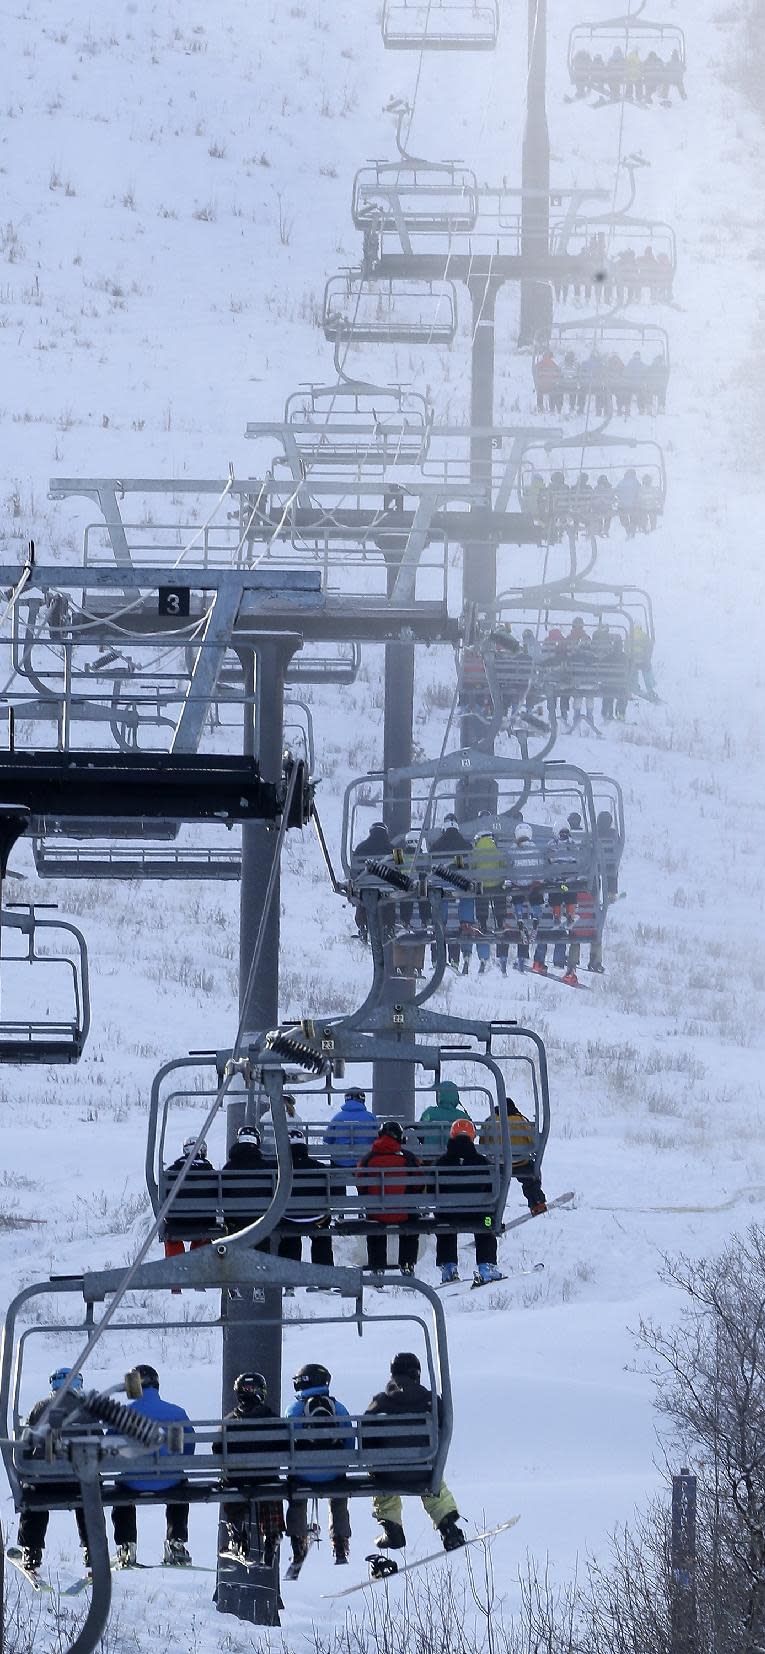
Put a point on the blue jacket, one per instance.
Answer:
(296, 1410)
(153, 1406)
(350, 1133)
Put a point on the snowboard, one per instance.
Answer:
(527, 1217)
(398, 1568)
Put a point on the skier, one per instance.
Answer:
(152, 1405)
(463, 1170)
(522, 1152)
(440, 1117)
(405, 1394)
(352, 1130)
(376, 845)
(314, 1403)
(33, 1523)
(450, 847)
(526, 891)
(201, 1180)
(489, 868)
(382, 1175)
(309, 1188)
(628, 497)
(251, 1395)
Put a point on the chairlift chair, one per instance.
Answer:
(415, 196)
(615, 257)
(627, 58)
(358, 425)
(368, 310)
(583, 484)
(595, 367)
(441, 25)
(57, 952)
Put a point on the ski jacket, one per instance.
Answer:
(451, 841)
(546, 372)
(440, 1117)
(350, 1132)
(463, 1170)
(404, 1396)
(376, 843)
(387, 1155)
(488, 863)
(309, 1184)
(240, 1440)
(153, 1406)
(314, 1405)
(259, 1184)
(522, 1135)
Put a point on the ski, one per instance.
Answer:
(420, 1561)
(295, 1567)
(512, 1275)
(13, 1555)
(527, 1217)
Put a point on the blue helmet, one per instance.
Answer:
(58, 1379)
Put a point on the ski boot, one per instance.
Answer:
(600, 970)
(175, 1554)
(127, 1555)
(571, 979)
(449, 1272)
(299, 1551)
(538, 968)
(538, 1208)
(483, 1275)
(406, 1269)
(452, 1536)
(340, 1551)
(392, 1537)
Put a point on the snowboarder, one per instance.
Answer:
(522, 1150)
(314, 1403)
(251, 1395)
(463, 1170)
(405, 1394)
(382, 1175)
(33, 1524)
(152, 1405)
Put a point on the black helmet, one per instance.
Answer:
(355, 1092)
(248, 1134)
(312, 1377)
(392, 1128)
(250, 1387)
(148, 1375)
(405, 1365)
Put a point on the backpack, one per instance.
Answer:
(322, 1407)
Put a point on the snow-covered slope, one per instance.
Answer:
(150, 304)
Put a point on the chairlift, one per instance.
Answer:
(627, 59)
(490, 1061)
(489, 795)
(57, 952)
(367, 310)
(358, 425)
(441, 25)
(615, 257)
(584, 485)
(319, 663)
(610, 364)
(408, 195)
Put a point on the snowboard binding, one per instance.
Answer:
(381, 1567)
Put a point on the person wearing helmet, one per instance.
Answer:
(310, 1195)
(383, 1176)
(242, 1436)
(450, 848)
(33, 1523)
(153, 1406)
(352, 1130)
(201, 1181)
(526, 890)
(488, 866)
(439, 1117)
(523, 1153)
(376, 846)
(462, 1172)
(315, 1404)
(405, 1394)
(249, 1179)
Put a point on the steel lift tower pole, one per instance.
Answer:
(253, 1593)
(536, 296)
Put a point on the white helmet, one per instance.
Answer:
(523, 834)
